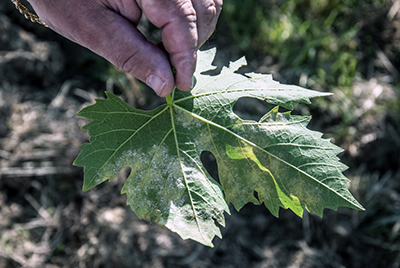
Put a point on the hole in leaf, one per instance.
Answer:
(210, 164)
(255, 194)
(123, 175)
(251, 108)
(217, 223)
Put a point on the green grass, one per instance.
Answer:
(314, 39)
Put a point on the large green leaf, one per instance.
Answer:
(286, 164)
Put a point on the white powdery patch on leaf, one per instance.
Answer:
(287, 165)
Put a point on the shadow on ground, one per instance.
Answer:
(46, 220)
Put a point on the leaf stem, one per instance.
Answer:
(169, 99)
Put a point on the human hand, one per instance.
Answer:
(109, 28)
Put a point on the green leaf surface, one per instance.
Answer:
(285, 163)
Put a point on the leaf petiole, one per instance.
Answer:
(169, 99)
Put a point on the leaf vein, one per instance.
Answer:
(123, 143)
(262, 149)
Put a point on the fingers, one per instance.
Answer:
(186, 25)
(128, 9)
(108, 27)
(134, 54)
(177, 18)
(118, 40)
(207, 12)
(180, 39)
(145, 61)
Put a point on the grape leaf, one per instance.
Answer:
(278, 158)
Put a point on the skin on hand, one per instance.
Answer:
(109, 28)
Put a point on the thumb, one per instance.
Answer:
(111, 35)
(116, 39)
(124, 46)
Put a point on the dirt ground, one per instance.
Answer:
(47, 221)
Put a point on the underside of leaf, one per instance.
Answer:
(285, 163)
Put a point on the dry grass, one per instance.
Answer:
(46, 221)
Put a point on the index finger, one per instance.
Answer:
(178, 20)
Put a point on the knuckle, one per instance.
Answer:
(186, 10)
(218, 5)
(211, 9)
(128, 63)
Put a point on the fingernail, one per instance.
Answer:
(192, 83)
(156, 83)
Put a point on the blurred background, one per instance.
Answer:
(350, 48)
